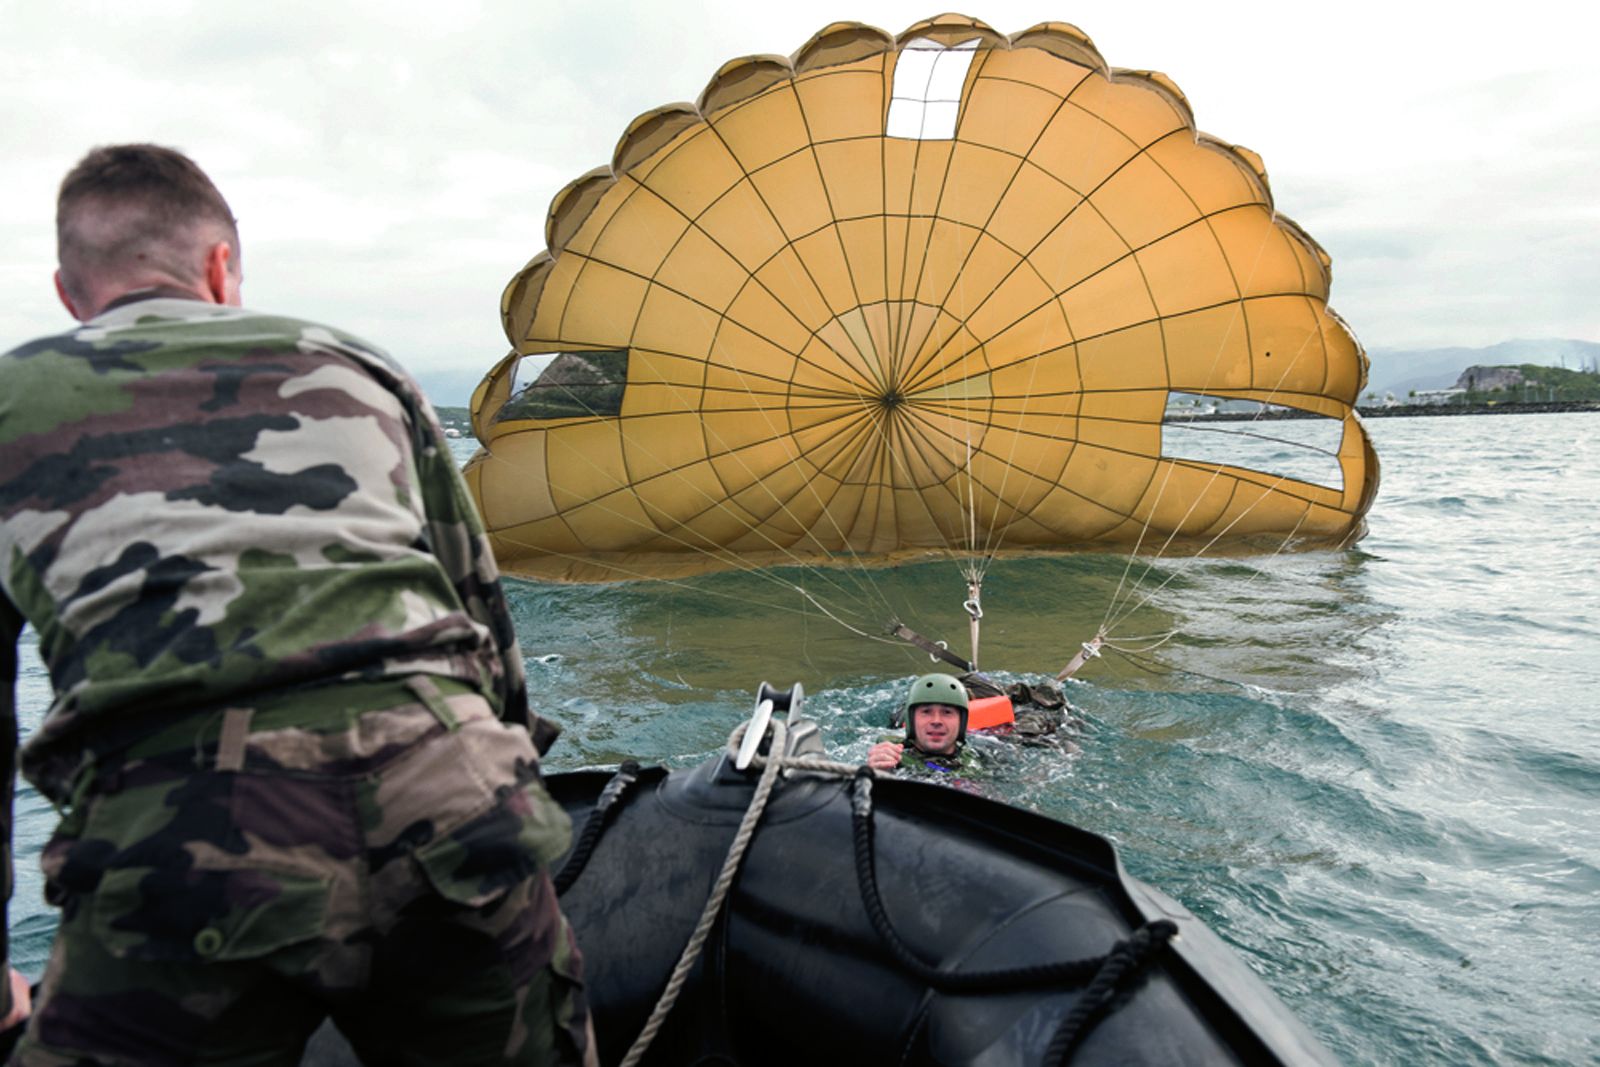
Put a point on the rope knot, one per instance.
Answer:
(1149, 938)
(861, 796)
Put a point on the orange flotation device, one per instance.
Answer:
(984, 712)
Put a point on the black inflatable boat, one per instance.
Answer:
(874, 920)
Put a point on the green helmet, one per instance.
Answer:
(937, 689)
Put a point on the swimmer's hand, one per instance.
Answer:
(885, 756)
(21, 1001)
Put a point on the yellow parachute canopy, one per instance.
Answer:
(946, 291)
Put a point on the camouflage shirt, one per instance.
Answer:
(200, 503)
(962, 761)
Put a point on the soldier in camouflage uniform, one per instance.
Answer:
(290, 735)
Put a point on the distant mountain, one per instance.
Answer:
(1400, 370)
(449, 388)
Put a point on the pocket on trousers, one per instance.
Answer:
(482, 858)
(155, 914)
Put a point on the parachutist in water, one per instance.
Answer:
(936, 711)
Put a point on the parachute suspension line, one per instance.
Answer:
(1115, 612)
(749, 569)
(1121, 614)
(1091, 649)
(1157, 640)
(898, 460)
(1160, 553)
(1133, 553)
(822, 608)
(975, 565)
(1113, 608)
(993, 537)
(972, 568)
(1203, 550)
(725, 557)
(858, 575)
(968, 522)
(1121, 648)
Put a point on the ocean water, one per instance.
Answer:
(1374, 772)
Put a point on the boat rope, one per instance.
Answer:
(1070, 971)
(1104, 974)
(627, 777)
(1126, 958)
(719, 893)
(595, 824)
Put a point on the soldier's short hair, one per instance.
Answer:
(129, 206)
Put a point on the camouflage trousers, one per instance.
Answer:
(376, 853)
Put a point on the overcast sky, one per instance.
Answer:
(391, 162)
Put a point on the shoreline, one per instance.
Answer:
(1401, 411)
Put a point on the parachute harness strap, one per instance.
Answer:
(595, 824)
(973, 606)
(1103, 974)
(719, 893)
(1087, 651)
(936, 650)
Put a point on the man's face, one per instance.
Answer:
(934, 728)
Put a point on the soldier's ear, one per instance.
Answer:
(222, 280)
(66, 301)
